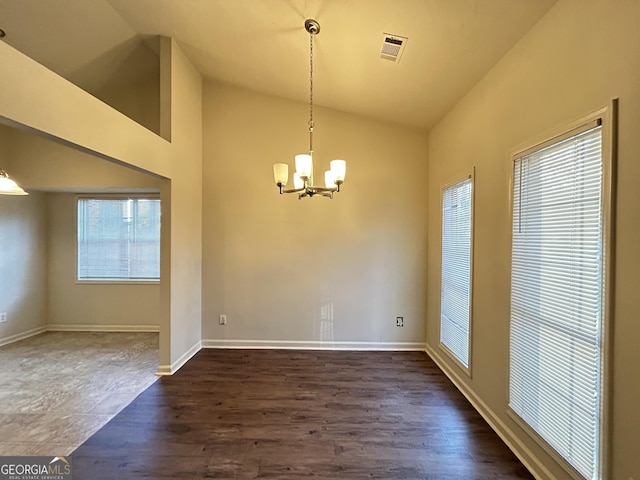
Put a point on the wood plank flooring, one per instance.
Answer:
(299, 414)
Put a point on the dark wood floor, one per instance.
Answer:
(299, 414)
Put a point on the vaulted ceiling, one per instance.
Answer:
(262, 45)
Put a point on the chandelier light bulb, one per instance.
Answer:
(304, 165)
(329, 179)
(281, 173)
(339, 168)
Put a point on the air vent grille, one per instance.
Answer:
(392, 47)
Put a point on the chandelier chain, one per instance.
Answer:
(311, 91)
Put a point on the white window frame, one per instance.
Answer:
(606, 116)
(468, 176)
(109, 281)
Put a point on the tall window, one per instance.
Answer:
(455, 300)
(119, 239)
(557, 295)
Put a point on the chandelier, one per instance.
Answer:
(303, 176)
(8, 186)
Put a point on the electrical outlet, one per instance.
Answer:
(3, 317)
(223, 319)
(399, 321)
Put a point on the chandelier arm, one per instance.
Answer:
(325, 194)
(293, 190)
(323, 189)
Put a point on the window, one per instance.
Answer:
(455, 296)
(118, 239)
(558, 295)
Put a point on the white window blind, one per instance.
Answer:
(119, 239)
(455, 296)
(557, 295)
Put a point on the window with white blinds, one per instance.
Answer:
(455, 294)
(118, 239)
(557, 295)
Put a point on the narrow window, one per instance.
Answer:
(558, 295)
(118, 239)
(455, 300)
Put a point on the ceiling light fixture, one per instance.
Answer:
(8, 186)
(303, 176)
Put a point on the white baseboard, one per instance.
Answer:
(21, 336)
(175, 366)
(524, 454)
(70, 327)
(314, 345)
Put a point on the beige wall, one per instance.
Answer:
(185, 215)
(139, 99)
(90, 306)
(23, 266)
(132, 84)
(311, 270)
(575, 60)
(42, 164)
(341, 270)
(35, 99)
(23, 260)
(45, 165)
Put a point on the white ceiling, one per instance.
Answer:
(262, 45)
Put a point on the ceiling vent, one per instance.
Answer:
(392, 47)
